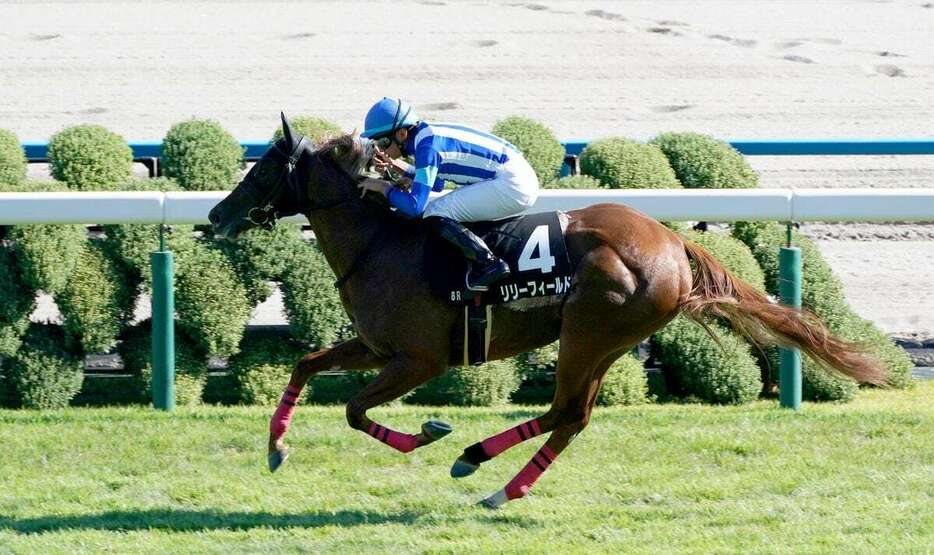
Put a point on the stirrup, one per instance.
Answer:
(474, 288)
(499, 266)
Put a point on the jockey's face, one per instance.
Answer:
(393, 149)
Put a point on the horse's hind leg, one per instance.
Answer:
(557, 442)
(401, 375)
(572, 420)
(349, 355)
(594, 325)
(578, 362)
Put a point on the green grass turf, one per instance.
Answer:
(666, 478)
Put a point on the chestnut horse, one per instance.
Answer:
(632, 275)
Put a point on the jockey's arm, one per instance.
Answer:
(412, 202)
(424, 176)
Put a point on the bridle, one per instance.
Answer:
(266, 216)
(264, 213)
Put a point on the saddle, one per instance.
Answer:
(533, 245)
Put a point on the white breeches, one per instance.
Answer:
(514, 189)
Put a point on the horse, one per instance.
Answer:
(631, 276)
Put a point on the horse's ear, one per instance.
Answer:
(287, 131)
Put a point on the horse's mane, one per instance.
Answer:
(347, 151)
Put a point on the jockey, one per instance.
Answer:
(494, 180)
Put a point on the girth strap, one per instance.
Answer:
(478, 326)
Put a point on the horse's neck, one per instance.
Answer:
(343, 234)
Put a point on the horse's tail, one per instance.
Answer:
(715, 292)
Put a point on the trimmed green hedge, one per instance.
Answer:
(575, 182)
(90, 158)
(625, 164)
(12, 162)
(110, 391)
(17, 301)
(191, 365)
(202, 156)
(625, 383)
(316, 129)
(132, 244)
(822, 293)
(262, 368)
(699, 367)
(536, 372)
(211, 302)
(259, 256)
(7, 394)
(47, 253)
(537, 144)
(487, 385)
(700, 161)
(312, 303)
(331, 389)
(43, 374)
(210, 299)
(695, 364)
(97, 301)
(895, 359)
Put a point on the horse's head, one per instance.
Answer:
(270, 190)
(289, 179)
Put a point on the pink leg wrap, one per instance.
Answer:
(522, 483)
(392, 438)
(280, 419)
(513, 436)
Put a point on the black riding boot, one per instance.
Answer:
(487, 268)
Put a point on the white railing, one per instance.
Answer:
(716, 205)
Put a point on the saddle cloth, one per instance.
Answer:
(533, 246)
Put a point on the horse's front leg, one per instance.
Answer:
(401, 375)
(349, 355)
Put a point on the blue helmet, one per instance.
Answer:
(386, 116)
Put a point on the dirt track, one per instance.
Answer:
(733, 69)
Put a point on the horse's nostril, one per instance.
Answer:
(214, 217)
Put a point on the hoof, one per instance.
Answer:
(435, 429)
(494, 501)
(276, 458)
(462, 468)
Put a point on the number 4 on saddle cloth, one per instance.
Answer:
(533, 246)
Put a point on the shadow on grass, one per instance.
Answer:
(193, 521)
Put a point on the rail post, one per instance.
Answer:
(163, 327)
(789, 288)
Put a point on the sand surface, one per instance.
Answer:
(729, 68)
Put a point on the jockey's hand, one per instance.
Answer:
(387, 166)
(381, 161)
(374, 185)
